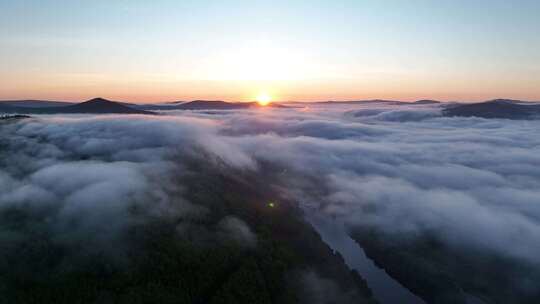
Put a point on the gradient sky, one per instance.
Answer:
(295, 50)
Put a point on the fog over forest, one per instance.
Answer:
(404, 173)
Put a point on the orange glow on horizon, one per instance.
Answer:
(120, 88)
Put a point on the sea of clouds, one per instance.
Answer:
(472, 183)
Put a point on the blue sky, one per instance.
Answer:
(304, 50)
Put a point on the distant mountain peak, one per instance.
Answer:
(503, 101)
(207, 101)
(496, 108)
(98, 99)
(426, 101)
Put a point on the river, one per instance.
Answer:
(385, 289)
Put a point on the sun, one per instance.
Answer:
(263, 99)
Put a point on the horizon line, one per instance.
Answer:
(274, 101)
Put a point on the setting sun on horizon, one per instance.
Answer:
(263, 99)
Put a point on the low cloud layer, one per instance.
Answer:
(92, 178)
(471, 183)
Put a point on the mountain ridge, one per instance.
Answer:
(495, 108)
(93, 106)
